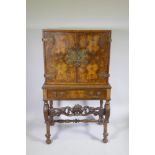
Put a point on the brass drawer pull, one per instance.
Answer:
(98, 93)
(54, 93)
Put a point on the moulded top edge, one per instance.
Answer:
(75, 30)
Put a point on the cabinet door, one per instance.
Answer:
(93, 51)
(59, 54)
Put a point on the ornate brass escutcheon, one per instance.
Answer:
(76, 57)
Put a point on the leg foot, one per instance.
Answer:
(105, 140)
(46, 116)
(105, 134)
(106, 121)
(48, 140)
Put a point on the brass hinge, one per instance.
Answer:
(50, 76)
(103, 75)
(47, 39)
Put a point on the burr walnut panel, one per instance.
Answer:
(56, 46)
(76, 94)
(97, 53)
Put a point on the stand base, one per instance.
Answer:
(77, 110)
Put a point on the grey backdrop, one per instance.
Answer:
(78, 138)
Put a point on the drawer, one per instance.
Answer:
(76, 94)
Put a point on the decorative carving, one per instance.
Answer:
(77, 110)
(76, 121)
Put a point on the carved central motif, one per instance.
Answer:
(76, 57)
(77, 110)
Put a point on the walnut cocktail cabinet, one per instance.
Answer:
(76, 64)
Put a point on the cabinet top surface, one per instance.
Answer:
(75, 30)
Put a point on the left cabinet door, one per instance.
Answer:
(59, 57)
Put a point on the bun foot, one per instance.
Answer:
(105, 140)
(48, 141)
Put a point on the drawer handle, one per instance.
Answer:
(98, 93)
(55, 94)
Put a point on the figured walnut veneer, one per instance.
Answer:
(76, 64)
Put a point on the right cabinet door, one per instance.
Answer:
(93, 57)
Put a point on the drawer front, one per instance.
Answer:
(76, 94)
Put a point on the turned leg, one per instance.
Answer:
(48, 140)
(106, 121)
(100, 121)
(51, 117)
(46, 114)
